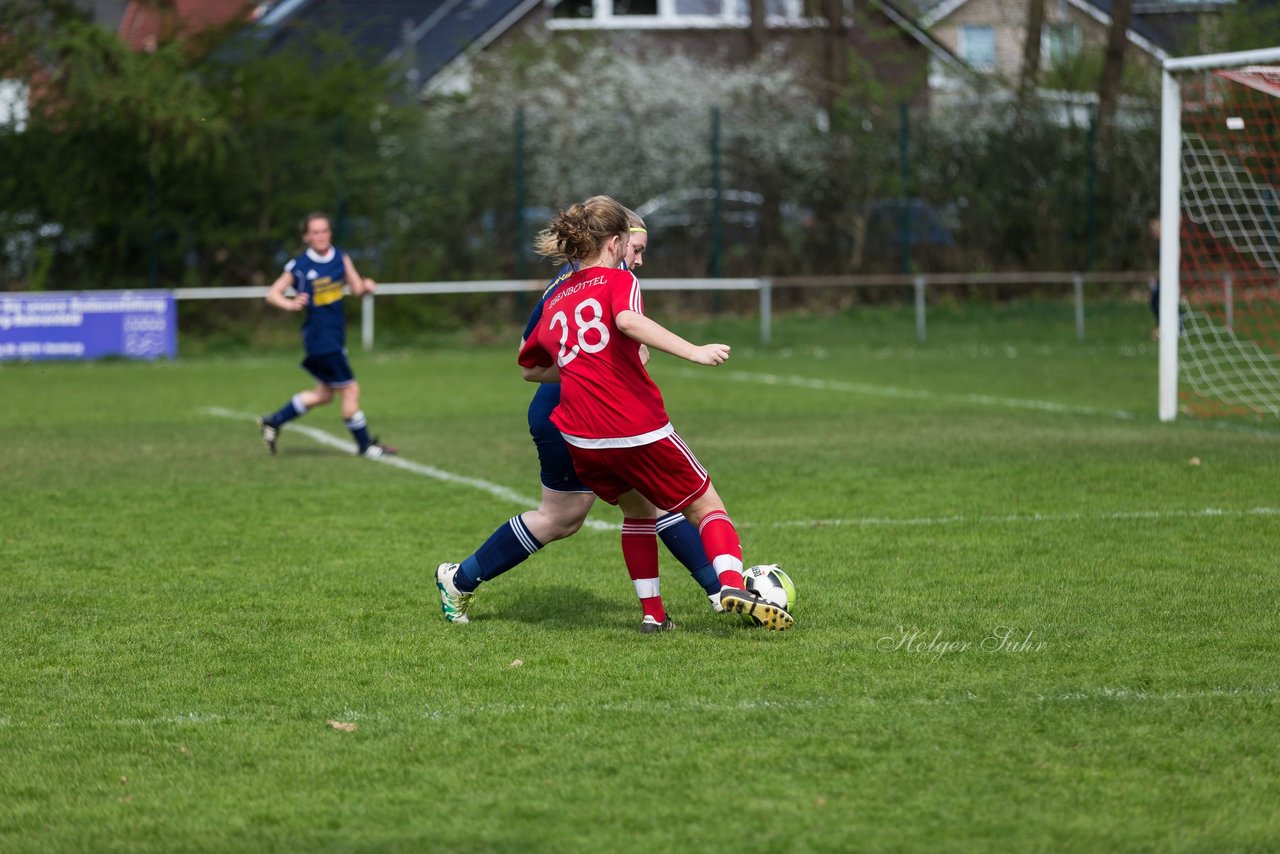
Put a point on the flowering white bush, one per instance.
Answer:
(606, 119)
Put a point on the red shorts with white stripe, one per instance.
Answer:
(666, 472)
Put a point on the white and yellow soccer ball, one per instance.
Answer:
(771, 584)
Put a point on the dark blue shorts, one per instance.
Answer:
(553, 454)
(332, 369)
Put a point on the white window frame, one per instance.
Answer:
(669, 19)
(962, 39)
(15, 104)
(1053, 32)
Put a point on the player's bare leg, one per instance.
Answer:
(350, 401)
(321, 395)
(559, 515)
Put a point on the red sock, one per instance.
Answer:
(640, 552)
(720, 539)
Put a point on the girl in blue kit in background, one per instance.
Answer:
(318, 277)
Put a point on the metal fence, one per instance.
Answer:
(920, 284)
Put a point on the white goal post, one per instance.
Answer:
(1219, 271)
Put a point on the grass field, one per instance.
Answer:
(183, 614)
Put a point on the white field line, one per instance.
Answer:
(1119, 694)
(1014, 518)
(494, 489)
(907, 393)
(511, 495)
(1234, 427)
(981, 399)
(1105, 694)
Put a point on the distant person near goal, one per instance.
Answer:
(1153, 231)
(318, 277)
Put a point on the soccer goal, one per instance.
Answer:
(1220, 235)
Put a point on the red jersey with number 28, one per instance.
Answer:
(607, 399)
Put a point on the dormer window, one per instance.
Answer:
(635, 7)
(684, 14)
(572, 9)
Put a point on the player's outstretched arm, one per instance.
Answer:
(358, 284)
(276, 296)
(635, 325)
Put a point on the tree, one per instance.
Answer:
(1030, 75)
(1244, 25)
(757, 34)
(835, 53)
(106, 127)
(176, 166)
(1112, 70)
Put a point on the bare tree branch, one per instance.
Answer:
(1112, 69)
(1031, 51)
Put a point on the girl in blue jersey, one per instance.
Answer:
(565, 499)
(318, 277)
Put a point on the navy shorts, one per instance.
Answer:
(332, 369)
(558, 474)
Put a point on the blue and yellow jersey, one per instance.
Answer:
(547, 397)
(565, 272)
(322, 278)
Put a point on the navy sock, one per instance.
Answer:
(360, 430)
(506, 547)
(683, 541)
(291, 410)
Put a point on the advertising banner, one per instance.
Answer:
(88, 325)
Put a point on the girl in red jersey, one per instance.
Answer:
(611, 413)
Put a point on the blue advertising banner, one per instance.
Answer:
(88, 325)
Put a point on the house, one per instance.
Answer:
(435, 41)
(107, 13)
(990, 34)
(143, 25)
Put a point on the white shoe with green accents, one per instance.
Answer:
(453, 602)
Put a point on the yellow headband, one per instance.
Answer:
(638, 229)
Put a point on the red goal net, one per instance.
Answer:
(1229, 346)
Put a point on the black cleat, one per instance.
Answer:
(269, 434)
(651, 626)
(744, 602)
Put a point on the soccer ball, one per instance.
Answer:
(771, 584)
